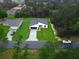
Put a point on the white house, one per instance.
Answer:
(38, 23)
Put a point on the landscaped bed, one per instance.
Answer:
(23, 32)
(46, 34)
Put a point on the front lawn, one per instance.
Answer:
(46, 34)
(23, 31)
(4, 30)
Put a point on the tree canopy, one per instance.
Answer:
(3, 13)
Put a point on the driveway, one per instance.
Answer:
(9, 36)
(33, 35)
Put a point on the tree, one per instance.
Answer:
(1, 34)
(17, 48)
(8, 5)
(47, 52)
(3, 13)
(37, 8)
(64, 18)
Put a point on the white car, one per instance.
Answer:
(66, 41)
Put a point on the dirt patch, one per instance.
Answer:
(72, 38)
(8, 54)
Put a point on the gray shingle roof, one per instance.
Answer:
(36, 20)
(13, 22)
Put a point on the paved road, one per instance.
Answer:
(33, 44)
(74, 44)
(37, 44)
(25, 44)
(32, 36)
(9, 44)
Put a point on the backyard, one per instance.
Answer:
(3, 30)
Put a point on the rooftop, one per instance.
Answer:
(37, 20)
(16, 22)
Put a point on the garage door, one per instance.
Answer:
(33, 27)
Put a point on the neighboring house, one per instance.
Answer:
(38, 23)
(13, 10)
(14, 24)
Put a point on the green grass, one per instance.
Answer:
(11, 17)
(56, 54)
(4, 29)
(23, 31)
(46, 34)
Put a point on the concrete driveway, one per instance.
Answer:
(9, 36)
(33, 35)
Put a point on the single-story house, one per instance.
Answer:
(14, 24)
(38, 23)
(13, 10)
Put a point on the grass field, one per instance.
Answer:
(46, 34)
(23, 31)
(11, 17)
(4, 30)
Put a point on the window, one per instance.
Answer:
(40, 25)
(45, 26)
